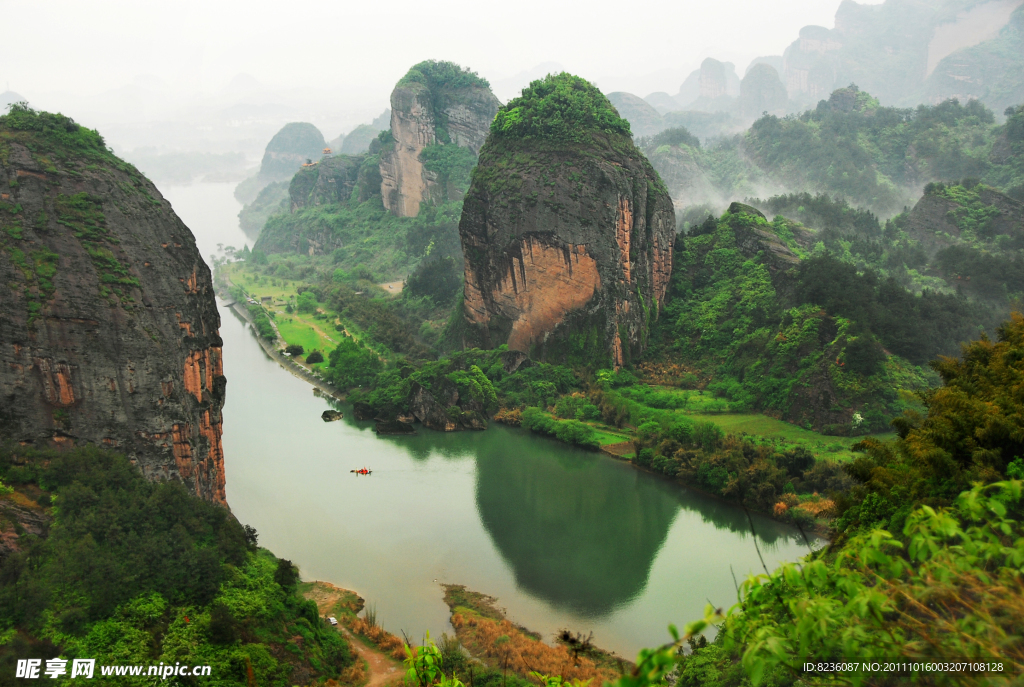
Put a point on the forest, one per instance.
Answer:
(127, 571)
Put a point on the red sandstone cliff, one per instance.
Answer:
(108, 324)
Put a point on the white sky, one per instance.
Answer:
(59, 53)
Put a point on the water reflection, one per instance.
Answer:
(578, 530)
(487, 509)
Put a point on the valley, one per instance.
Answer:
(462, 378)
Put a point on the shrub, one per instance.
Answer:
(315, 357)
(569, 431)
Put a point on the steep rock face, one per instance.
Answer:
(109, 328)
(567, 236)
(717, 79)
(401, 171)
(435, 103)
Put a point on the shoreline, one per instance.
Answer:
(284, 361)
(318, 384)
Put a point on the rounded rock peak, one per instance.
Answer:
(560, 108)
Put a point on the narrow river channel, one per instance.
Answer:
(565, 538)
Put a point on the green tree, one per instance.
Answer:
(307, 302)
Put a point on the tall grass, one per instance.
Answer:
(370, 614)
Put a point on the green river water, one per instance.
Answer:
(564, 538)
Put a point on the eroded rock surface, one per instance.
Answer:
(108, 325)
(568, 247)
(434, 103)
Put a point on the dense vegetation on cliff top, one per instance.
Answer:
(132, 572)
(560, 108)
(439, 74)
(54, 134)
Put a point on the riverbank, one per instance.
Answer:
(484, 631)
(285, 361)
(377, 668)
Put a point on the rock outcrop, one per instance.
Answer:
(108, 325)
(567, 231)
(435, 103)
(939, 219)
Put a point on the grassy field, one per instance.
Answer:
(297, 330)
(761, 425)
(295, 327)
(606, 437)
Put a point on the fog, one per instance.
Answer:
(223, 77)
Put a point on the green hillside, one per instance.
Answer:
(849, 146)
(130, 572)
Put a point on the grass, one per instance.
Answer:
(295, 327)
(297, 330)
(502, 645)
(756, 424)
(605, 437)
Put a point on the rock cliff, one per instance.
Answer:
(436, 103)
(109, 328)
(567, 230)
(287, 151)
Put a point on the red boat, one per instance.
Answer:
(362, 471)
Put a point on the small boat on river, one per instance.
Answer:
(362, 471)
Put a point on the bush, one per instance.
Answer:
(294, 350)
(569, 431)
(286, 574)
(221, 628)
(315, 357)
(261, 323)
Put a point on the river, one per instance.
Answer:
(564, 538)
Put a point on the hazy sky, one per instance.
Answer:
(181, 55)
(85, 47)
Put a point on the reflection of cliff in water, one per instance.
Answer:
(577, 531)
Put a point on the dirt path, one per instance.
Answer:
(332, 600)
(393, 288)
(383, 669)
